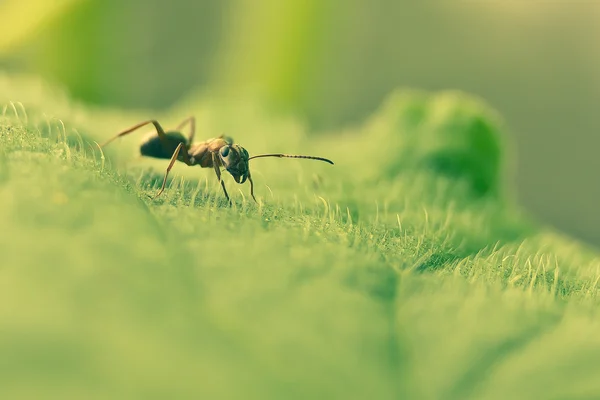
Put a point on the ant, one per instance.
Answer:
(212, 153)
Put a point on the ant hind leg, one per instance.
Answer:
(192, 122)
(159, 130)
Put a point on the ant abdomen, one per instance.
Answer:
(152, 146)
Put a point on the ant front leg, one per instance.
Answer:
(252, 187)
(215, 161)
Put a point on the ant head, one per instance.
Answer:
(235, 160)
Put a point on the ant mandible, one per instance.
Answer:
(212, 153)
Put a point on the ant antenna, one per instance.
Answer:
(292, 156)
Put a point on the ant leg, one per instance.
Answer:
(186, 160)
(252, 187)
(159, 130)
(192, 122)
(218, 172)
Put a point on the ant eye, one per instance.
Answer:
(225, 151)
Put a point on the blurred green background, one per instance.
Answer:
(331, 63)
